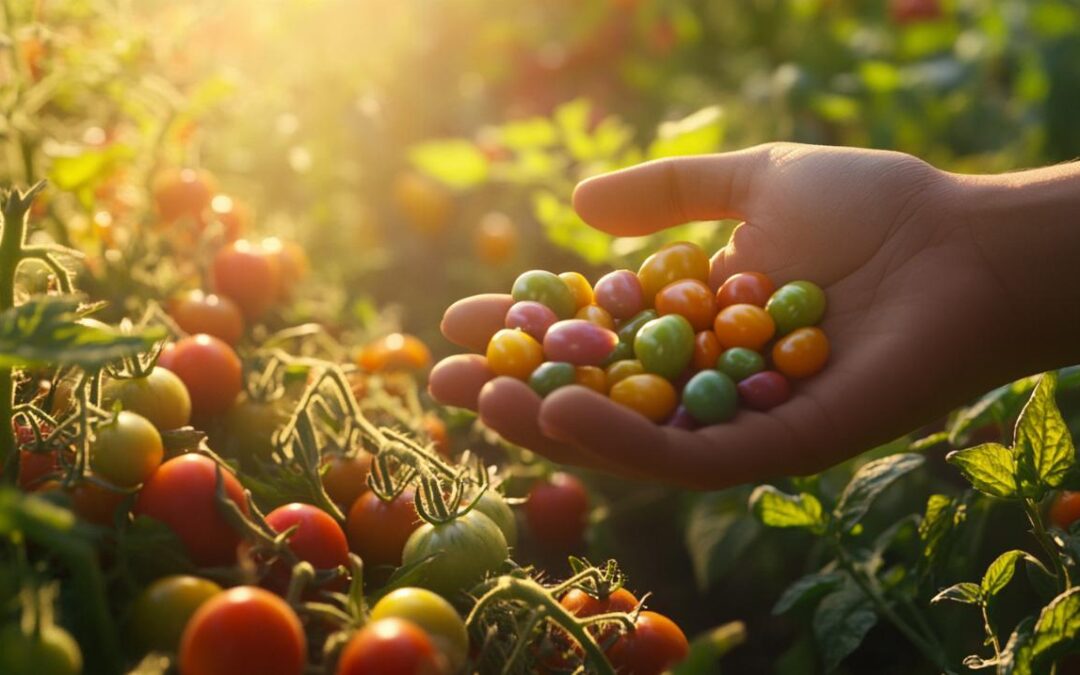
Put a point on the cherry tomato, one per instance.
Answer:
(434, 615)
(628, 329)
(210, 370)
(649, 394)
(345, 477)
(36, 467)
(680, 260)
(710, 397)
(183, 193)
(390, 647)
(557, 512)
(706, 350)
(582, 605)
(426, 205)
(197, 312)
(243, 630)
(95, 504)
(233, 215)
(552, 375)
(495, 239)
(801, 353)
(744, 326)
(739, 363)
(1065, 509)
(160, 397)
(514, 353)
(597, 315)
(459, 553)
(796, 305)
(182, 495)
(620, 293)
(665, 346)
(292, 263)
(378, 530)
(579, 287)
(531, 317)
(249, 276)
(745, 288)
(397, 351)
(250, 425)
(579, 342)
(620, 370)
(592, 377)
(691, 298)
(653, 647)
(764, 390)
(126, 450)
(547, 289)
(318, 538)
(435, 428)
(51, 652)
(914, 11)
(163, 609)
(494, 506)
(682, 419)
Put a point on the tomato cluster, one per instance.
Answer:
(662, 341)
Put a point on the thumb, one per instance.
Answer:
(667, 192)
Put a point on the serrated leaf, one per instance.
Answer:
(716, 538)
(964, 592)
(1000, 572)
(1057, 630)
(1016, 656)
(841, 622)
(454, 161)
(869, 482)
(990, 468)
(943, 515)
(50, 331)
(1043, 446)
(997, 406)
(806, 589)
(778, 509)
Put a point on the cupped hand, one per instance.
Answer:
(915, 314)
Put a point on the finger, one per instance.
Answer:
(457, 380)
(470, 322)
(667, 192)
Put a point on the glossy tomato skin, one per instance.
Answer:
(377, 530)
(163, 609)
(680, 260)
(747, 326)
(434, 615)
(620, 294)
(628, 329)
(210, 370)
(318, 538)
(514, 353)
(250, 425)
(552, 375)
(706, 350)
(495, 239)
(493, 505)
(655, 645)
(591, 377)
(52, 652)
(796, 305)
(579, 287)
(36, 467)
(531, 317)
(95, 504)
(233, 215)
(597, 315)
(1065, 509)
(745, 288)
(462, 552)
(665, 346)
(801, 353)
(620, 370)
(248, 275)
(648, 394)
(557, 512)
(390, 647)
(691, 298)
(547, 289)
(243, 630)
(579, 342)
(581, 604)
(739, 363)
(181, 494)
(126, 450)
(764, 390)
(292, 263)
(710, 397)
(345, 478)
(160, 397)
(198, 312)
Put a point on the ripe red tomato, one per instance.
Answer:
(390, 647)
(181, 494)
(248, 275)
(378, 530)
(233, 215)
(764, 390)
(318, 538)
(292, 262)
(557, 512)
(180, 193)
(95, 504)
(36, 467)
(243, 630)
(210, 370)
(654, 646)
(579, 603)
(345, 478)
(198, 312)
(745, 288)
(1065, 509)
(912, 11)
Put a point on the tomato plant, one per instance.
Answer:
(216, 315)
(654, 645)
(159, 396)
(127, 450)
(210, 370)
(393, 646)
(318, 539)
(51, 652)
(248, 275)
(459, 552)
(162, 610)
(377, 530)
(557, 511)
(431, 613)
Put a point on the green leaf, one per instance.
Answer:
(1000, 572)
(1016, 657)
(535, 132)
(1043, 446)
(1057, 630)
(997, 406)
(964, 592)
(51, 330)
(778, 509)
(869, 482)
(841, 622)
(806, 589)
(709, 647)
(72, 169)
(989, 467)
(454, 161)
(717, 536)
(943, 515)
(699, 133)
(564, 228)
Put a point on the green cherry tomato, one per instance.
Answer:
(550, 376)
(623, 351)
(126, 450)
(160, 397)
(739, 363)
(547, 289)
(162, 610)
(52, 652)
(494, 506)
(459, 553)
(665, 346)
(431, 612)
(710, 397)
(628, 329)
(796, 305)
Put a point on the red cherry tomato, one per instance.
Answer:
(248, 275)
(764, 390)
(620, 294)
(745, 288)
(390, 647)
(197, 312)
(95, 504)
(531, 317)
(557, 512)
(182, 495)
(581, 604)
(579, 342)
(1065, 509)
(691, 298)
(345, 478)
(653, 647)
(210, 370)
(707, 350)
(243, 630)
(801, 353)
(37, 467)
(318, 538)
(180, 193)
(378, 530)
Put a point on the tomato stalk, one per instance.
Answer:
(1038, 529)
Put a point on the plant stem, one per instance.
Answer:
(11, 245)
(990, 630)
(1043, 537)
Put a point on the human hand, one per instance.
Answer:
(919, 319)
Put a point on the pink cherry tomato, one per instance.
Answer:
(620, 293)
(579, 342)
(531, 317)
(764, 390)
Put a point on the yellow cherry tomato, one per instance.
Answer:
(651, 395)
(592, 377)
(514, 353)
(580, 288)
(680, 260)
(620, 370)
(597, 315)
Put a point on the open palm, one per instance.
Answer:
(915, 315)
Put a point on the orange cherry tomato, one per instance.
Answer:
(691, 298)
(183, 193)
(707, 350)
(496, 238)
(397, 351)
(680, 260)
(514, 353)
(378, 530)
(580, 288)
(426, 205)
(745, 288)
(620, 370)
(592, 377)
(292, 262)
(654, 646)
(651, 395)
(248, 275)
(198, 312)
(345, 478)
(801, 353)
(747, 326)
(596, 314)
(233, 215)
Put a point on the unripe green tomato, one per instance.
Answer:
(665, 346)
(160, 397)
(126, 450)
(547, 289)
(494, 506)
(628, 330)
(250, 425)
(739, 363)
(796, 305)
(550, 376)
(162, 610)
(710, 397)
(458, 553)
(623, 351)
(432, 613)
(52, 652)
